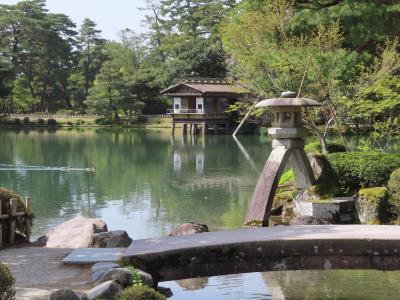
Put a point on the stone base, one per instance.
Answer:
(336, 210)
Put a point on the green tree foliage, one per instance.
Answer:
(111, 92)
(90, 56)
(38, 45)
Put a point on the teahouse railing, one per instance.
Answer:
(9, 221)
(192, 111)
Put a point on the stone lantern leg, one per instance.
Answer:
(288, 145)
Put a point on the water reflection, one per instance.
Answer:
(146, 183)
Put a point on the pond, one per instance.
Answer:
(146, 183)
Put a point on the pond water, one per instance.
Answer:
(146, 183)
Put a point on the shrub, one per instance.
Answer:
(51, 122)
(17, 121)
(79, 122)
(7, 281)
(70, 123)
(26, 121)
(41, 121)
(136, 278)
(103, 121)
(141, 292)
(394, 191)
(363, 169)
(332, 148)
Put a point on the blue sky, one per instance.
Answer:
(110, 15)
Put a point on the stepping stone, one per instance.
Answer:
(85, 256)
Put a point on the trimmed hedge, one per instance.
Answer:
(7, 281)
(394, 192)
(316, 148)
(141, 292)
(363, 169)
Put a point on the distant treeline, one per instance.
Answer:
(47, 63)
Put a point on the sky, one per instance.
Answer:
(111, 16)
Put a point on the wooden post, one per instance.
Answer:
(215, 129)
(173, 128)
(194, 129)
(191, 129)
(184, 129)
(13, 221)
(28, 212)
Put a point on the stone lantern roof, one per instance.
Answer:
(288, 99)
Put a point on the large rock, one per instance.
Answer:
(107, 290)
(189, 228)
(323, 171)
(75, 233)
(64, 294)
(307, 220)
(119, 275)
(111, 239)
(372, 205)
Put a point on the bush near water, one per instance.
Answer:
(140, 292)
(7, 281)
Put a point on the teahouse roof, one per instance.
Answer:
(203, 87)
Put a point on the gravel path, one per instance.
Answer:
(39, 270)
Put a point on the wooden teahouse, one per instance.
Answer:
(201, 103)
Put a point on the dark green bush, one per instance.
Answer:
(140, 292)
(52, 122)
(41, 121)
(394, 191)
(103, 121)
(17, 121)
(363, 169)
(26, 121)
(79, 122)
(7, 281)
(332, 148)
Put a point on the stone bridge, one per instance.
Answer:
(268, 249)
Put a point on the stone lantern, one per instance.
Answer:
(287, 144)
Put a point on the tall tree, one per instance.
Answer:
(90, 57)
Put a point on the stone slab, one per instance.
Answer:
(268, 249)
(88, 256)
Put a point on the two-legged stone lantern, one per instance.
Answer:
(288, 144)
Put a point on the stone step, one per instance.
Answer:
(88, 256)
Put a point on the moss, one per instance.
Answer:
(372, 205)
(287, 177)
(323, 191)
(141, 292)
(282, 198)
(7, 291)
(254, 223)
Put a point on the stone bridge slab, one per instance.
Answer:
(268, 249)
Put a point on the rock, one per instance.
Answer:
(119, 275)
(104, 266)
(372, 205)
(64, 294)
(193, 284)
(189, 228)
(106, 290)
(75, 233)
(165, 291)
(307, 220)
(111, 239)
(323, 171)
